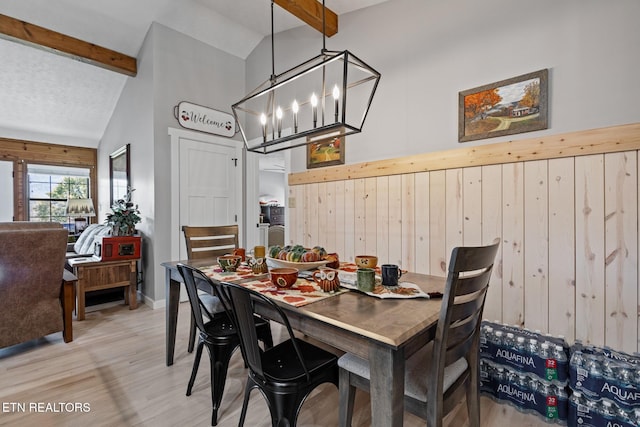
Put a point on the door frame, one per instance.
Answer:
(176, 136)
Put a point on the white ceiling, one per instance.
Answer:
(71, 102)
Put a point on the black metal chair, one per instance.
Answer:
(285, 374)
(438, 375)
(208, 242)
(218, 333)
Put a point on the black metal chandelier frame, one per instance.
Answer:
(270, 115)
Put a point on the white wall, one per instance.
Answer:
(427, 51)
(273, 185)
(172, 68)
(184, 70)
(132, 123)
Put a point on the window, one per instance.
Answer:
(50, 187)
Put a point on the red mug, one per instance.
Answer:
(240, 252)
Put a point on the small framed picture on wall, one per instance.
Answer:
(325, 152)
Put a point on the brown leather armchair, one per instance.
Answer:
(32, 258)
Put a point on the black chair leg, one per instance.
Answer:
(219, 357)
(194, 371)
(192, 336)
(245, 403)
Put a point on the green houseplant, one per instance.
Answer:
(124, 217)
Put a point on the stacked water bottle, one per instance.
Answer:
(525, 369)
(606, 387)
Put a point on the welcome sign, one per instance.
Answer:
(197, 117)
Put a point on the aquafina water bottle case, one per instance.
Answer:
(531, 352)
(601, 373)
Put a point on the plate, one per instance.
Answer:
(276, 263)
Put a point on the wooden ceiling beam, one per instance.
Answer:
(310, 11)
(32, 35)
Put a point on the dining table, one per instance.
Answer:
(383, 331)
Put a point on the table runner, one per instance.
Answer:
(216, 273)
(303, 292)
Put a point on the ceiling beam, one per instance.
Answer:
(310, 11)
(32, 35)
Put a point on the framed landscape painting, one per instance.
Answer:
(506, 107)
(325, 152)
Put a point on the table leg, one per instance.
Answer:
(68, 304)
(133, 287)
(80, 294)
(386, 386)
(173, 299)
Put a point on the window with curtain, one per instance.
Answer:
(50, 187)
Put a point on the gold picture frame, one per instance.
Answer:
(507, 107)
(325, 152)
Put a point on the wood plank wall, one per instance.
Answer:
(565, 210)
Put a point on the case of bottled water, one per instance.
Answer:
(602, 373)
(585, 412)
(584, 385)
(527, 393)
(534, 353)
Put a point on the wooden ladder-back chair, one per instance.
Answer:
(208, 242)
(439, 374)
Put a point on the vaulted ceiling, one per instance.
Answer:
(53, 98)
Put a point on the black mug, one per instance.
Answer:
(390, 275)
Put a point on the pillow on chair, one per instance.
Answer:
(84, 244)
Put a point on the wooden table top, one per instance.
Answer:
(389, 321)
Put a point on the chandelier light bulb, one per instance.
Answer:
(295, 108)
(263, 122)
(314, 108)
(336, 95)
(279, 117)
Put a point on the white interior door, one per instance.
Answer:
(206, 184)
(6, 191)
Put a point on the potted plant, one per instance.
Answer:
(124, 217)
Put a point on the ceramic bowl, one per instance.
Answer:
(229, 262)
(284, 277)
(366, 261)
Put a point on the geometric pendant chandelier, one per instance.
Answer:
(327, 96)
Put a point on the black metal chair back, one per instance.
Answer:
(286, 373)
(217, 332)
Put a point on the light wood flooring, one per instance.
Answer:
(115, 370)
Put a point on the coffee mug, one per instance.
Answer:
(366, 279)
(240, 252)
(259, 252)
(390, 275)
